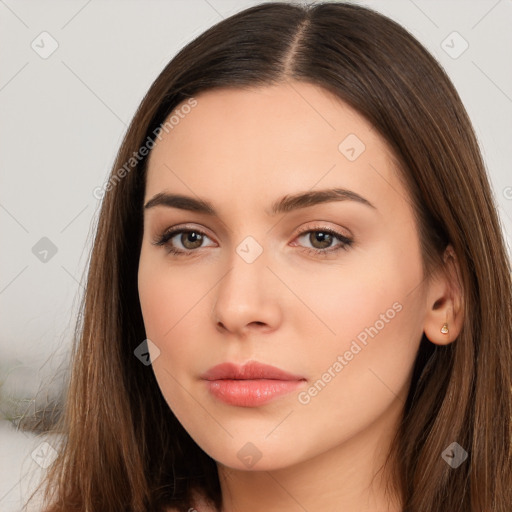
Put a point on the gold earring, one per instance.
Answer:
(444, 329)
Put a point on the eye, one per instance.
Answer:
(322, 239)
(189, 239)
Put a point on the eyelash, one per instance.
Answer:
(162, 240)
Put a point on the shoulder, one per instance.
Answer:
(198, 507)
(199, 504)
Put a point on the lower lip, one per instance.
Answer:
(250, 393)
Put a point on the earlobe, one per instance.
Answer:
(444, 317)
(441, 332)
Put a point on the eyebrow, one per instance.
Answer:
(285, 204)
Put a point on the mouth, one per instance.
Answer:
(250, 385)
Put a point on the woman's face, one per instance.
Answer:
(247, 284)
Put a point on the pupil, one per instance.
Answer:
(323, 238)
(192, 237)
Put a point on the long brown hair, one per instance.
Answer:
(122, 447)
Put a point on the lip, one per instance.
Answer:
(249, 385)
(250, 370)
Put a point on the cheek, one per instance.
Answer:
(175, 300)
(372, 314)
(165, 291)
(357, 375)
(170, 309)
(340, 302)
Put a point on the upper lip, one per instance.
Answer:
(250, 370)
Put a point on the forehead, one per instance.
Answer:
(259, 142)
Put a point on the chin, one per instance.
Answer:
(255, 456)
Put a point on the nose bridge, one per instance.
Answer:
(243, 293)
(247, 263)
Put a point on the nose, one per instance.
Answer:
(247, 298)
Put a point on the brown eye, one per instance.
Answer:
(321, 238)
(191, 239)
(182, 242)
(321, 241)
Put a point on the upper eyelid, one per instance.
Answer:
(317, 226)
(175, 230)
(179, 229)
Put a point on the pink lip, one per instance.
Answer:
(249, 385)
(251, 370)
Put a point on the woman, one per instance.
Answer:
(300, 237)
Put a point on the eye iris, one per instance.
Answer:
(193, 237)
(325, 239)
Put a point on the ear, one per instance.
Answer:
(445, 301)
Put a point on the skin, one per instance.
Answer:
(241, 150)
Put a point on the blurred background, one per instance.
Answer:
(71, 77)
